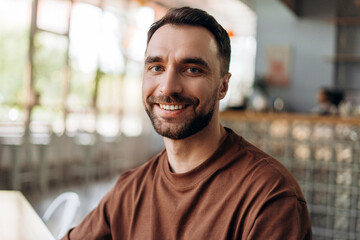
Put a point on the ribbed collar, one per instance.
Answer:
(184, 181)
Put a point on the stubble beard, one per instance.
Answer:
(189, 126)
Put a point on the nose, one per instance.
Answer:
(171, 83)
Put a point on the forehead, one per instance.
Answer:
(182, 41)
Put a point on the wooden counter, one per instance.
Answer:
(249, 115)
(18, 220)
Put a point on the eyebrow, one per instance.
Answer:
(191, 60)
(197, 61)
(152, 59)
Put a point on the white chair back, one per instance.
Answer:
(72, 203)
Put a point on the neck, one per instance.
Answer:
(186, 154)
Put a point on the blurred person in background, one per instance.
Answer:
(328, 101)
(208, 182)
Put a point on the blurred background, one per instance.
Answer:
(71, 116)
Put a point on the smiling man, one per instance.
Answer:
(208, 182)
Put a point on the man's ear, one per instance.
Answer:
(224, 86)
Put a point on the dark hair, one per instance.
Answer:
(334, 96)
(198, 17)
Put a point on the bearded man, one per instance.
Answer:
(208, 182)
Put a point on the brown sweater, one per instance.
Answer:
(238, 193)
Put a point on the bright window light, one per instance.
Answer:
(85, 37)
(131, 125)
(111, 57)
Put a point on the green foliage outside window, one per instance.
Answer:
(49, 63)
(13, 62)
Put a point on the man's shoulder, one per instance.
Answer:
(272, 176)
(263, 171)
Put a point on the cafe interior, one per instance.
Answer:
(72, 118)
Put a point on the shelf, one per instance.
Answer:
(345, 20)
(344, 58)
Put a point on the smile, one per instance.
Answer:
(171, 107)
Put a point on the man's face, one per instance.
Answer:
(181, 82)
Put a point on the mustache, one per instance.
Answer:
(176, 98)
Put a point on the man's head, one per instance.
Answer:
(184, 75)
(197, 17)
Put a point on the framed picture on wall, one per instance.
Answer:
(278, 65)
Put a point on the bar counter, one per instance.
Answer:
(323, 154)
(250, 115)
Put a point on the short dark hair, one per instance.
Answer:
(198, 17)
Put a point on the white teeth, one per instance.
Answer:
(172, 107)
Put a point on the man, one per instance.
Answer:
(208, 182)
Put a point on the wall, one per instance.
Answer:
(311, 39)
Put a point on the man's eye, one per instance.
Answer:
(156, 68)
(193, 70)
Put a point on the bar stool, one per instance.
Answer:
(12, 145)
(41, 141)
(87, 141)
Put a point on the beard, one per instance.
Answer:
(186, 128)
